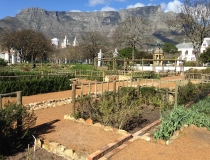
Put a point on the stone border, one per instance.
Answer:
(48, 103)
(59, 149)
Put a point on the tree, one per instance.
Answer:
(131, 33)
(169, 48)
(193, 21)
(7, 40)
(29, 43)
(205, 56)
(92, 43)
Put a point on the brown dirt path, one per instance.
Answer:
(193, 144)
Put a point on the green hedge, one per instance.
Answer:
(36, 86)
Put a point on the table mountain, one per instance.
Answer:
(58, 24)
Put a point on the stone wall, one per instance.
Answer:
(49, 103)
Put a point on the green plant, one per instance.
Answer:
(15, 124)
(187, 93)
(2, 62)
(115, 109)
(179, 116)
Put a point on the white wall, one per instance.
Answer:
(165, 68)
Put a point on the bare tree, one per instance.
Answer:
(194, 22)
(92, 43)
(132, 33)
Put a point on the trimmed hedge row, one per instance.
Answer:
(36, 86)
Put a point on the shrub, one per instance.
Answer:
(119, 110)
(198, 114)
(2, 62)
(187, 93)
(11, 138)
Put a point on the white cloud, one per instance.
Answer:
(96, 2)
(171, 6)
(75, 11)
(107, 8)
(135, 5)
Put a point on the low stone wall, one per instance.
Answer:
(49, 103)
(59, 150)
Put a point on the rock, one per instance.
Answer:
(169, 141)
(120, 131)
(75, 156)
(146, 137)
(53, 146)
(60, 150)
(89, 121)
(98, 125)
(81, 120)
(69, 153)
(108, 128)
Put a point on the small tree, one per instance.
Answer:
(169, 48)
(132, 33)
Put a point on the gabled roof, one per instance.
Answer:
(184, 45)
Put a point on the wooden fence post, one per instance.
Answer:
(19, 120)
(96, 89)
(82, 90)
(73, 98)
(19, 97)
(89, 88)
(176, 94)
(102, 88)
(1, 101)
(114, 86)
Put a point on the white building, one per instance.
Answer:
(65, 43)
(55, 41)
(75, 42)
(187, 52)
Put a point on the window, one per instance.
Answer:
(204, 44)
(186, 52)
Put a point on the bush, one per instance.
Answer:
(11, 137)
(119, 110)
(190, 64)
(2, 62)
(187, 93)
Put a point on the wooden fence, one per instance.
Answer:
(95, 88)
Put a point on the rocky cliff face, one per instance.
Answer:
(58, 24)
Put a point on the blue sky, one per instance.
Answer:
(13, 7)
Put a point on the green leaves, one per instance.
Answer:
(198, 114)
(10, 137)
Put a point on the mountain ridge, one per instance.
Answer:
(60, 23)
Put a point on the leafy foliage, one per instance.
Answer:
(120, 110)
(11, 138)
(2, 62)
(169, 48)
(205, 56)
(192, 92)
(177, 118)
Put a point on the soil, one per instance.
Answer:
(194, 143)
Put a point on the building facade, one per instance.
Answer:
(187, 51)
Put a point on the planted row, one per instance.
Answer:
(36, 86)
